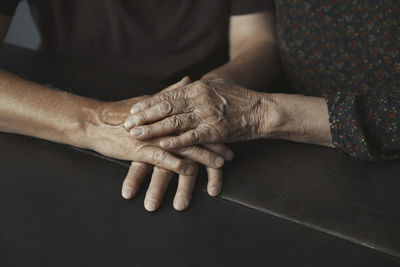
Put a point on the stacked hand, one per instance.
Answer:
(113, 140)
(199, 113)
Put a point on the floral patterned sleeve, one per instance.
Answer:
(366, 125)
(349, 53)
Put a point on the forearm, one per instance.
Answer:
(255, 66)
(295, 117)
(31, 109)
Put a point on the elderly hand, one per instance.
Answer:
(109, 138)
(206, 111)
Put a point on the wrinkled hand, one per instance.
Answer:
(109, 138)
(201, 112)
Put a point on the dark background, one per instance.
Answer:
(23, 31)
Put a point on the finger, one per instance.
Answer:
(214, 185)
(222, 150)
(157, 98)
(189, 138)
(201, 155)
(163, 159)
(158, 112)
(170, 125)
(136, 174)
(184, 191)
(158, 185)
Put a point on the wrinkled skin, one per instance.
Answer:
(205, 111)
(116, 142)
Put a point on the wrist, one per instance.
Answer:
(89, 118)
(101, 117)
(297, 118)
(270, 115)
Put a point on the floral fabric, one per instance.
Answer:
(347, 51)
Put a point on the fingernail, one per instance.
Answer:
(136, 108)
(150, 205)
(136, 132)
(229, 155)
(214, 191)
(165, 144)
(127, 192)
(129, 124)
(180, 204)
(219, 162)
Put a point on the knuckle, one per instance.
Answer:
(177, 141)
(179, 164)
(175, 122)
(188, 105)
(166, 106)
(153, 194)
(192, 118)
(165, 96)
(146, 130)
(159, 156)
(161, 171)
(208, 131)
(138, 166)
(194, 136)
(139, 118)
(185, 150)
(205, 155)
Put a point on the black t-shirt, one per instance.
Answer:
(148, 39)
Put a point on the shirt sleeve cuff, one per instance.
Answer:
(347, 133)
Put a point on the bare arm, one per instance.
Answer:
(31, 109)
(216, 111)
(254, 60)
(297, 118)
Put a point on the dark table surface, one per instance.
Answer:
(284, 204)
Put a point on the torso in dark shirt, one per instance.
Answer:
(348, 51)
(148, 39)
